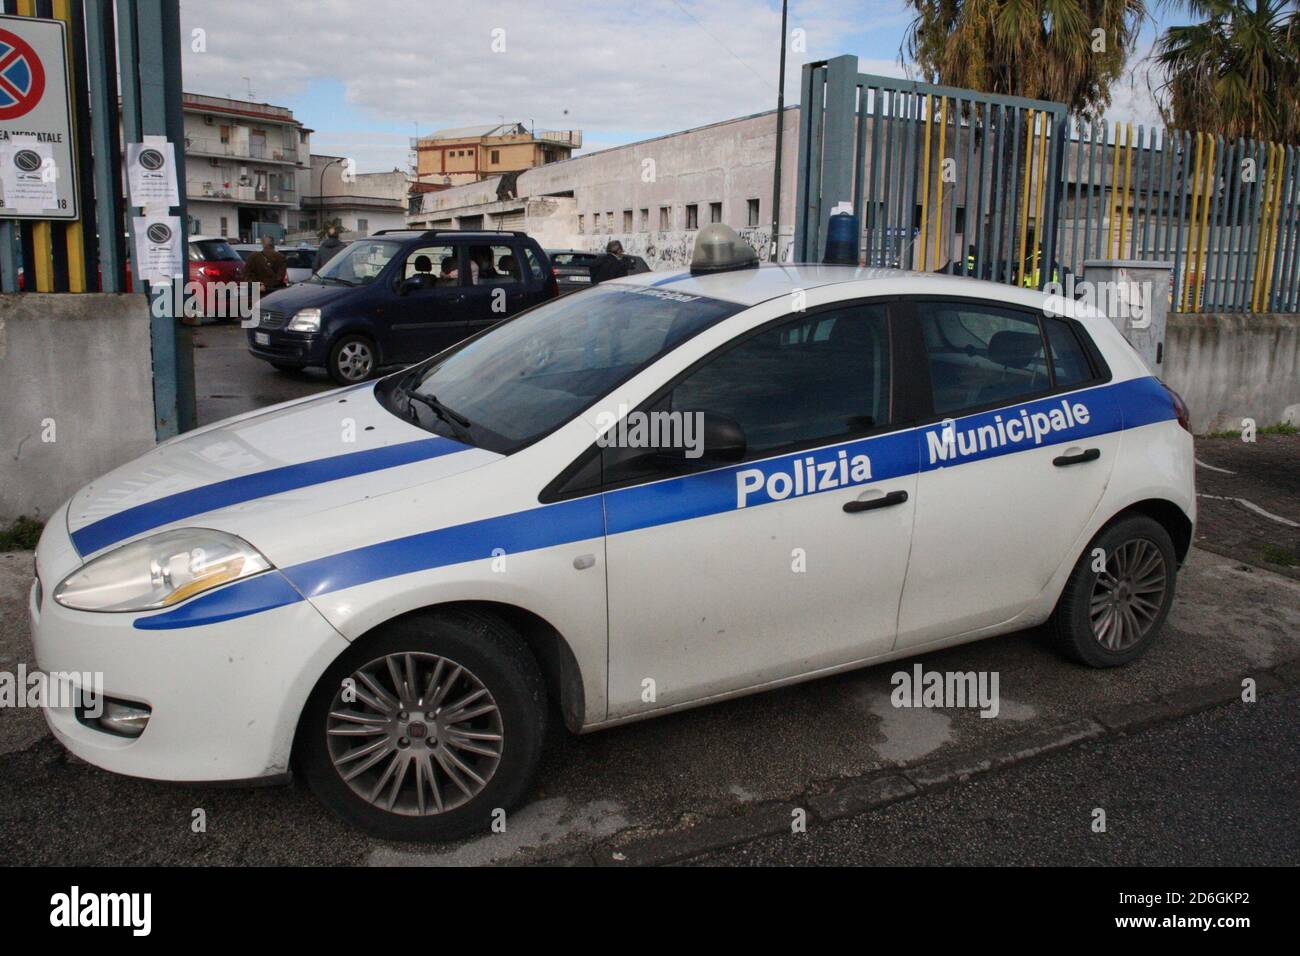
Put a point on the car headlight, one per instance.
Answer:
(305, 320)
(160, 570)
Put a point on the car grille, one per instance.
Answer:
(271, 319)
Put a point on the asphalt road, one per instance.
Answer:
(1219, 788)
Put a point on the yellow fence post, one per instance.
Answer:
(1202, 252)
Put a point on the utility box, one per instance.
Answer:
(1134, 294)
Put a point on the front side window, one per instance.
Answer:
(529, 375)
(981, 356)
(815, 379)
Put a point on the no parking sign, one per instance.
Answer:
(38, 178)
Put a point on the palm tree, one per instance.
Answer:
(1237, 73)
(1070, 51)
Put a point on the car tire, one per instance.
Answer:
(1110, 617)
(353, 358)
(287, 367)
(435, 797)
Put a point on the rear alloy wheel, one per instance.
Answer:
(426, 727)
(352, 360)
(1115, 603)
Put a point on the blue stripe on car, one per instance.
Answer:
(186, 504)
(1112, 408)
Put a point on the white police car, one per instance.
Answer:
(666, 491)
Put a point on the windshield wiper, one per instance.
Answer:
(458, 422)
(335, 279)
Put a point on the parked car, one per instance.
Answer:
(390, 299)
(298, 259)
(518, 522)
(572, 267)
(213, 260)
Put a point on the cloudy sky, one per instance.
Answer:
(368, 75)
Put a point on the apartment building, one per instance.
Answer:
(246, 165)
(453, 157)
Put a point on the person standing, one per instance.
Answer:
(329, 248)
(610, 264)
(267, 267)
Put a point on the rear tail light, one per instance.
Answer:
(1180, 409)
(553, 286)
(212, 272)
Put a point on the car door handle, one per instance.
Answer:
(893, 498)
(1092, 454)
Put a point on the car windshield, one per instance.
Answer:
(361, 262)
(529, 375)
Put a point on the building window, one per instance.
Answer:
(595, 222)
(225, 226)
(496, 156)
(645, 220)
(609, 221)
(363, 226)
(692, 216)
(753, 213)
(627, 220)
(582, 222)
(225, 134)
(665, 218)
(715, 212)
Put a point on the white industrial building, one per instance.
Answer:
(652, 196)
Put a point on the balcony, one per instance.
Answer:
(197, 190)
(262, 152)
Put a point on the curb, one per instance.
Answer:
(880, 788)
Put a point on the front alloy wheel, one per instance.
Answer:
(415, 733)
(352, 359)
(427, 728)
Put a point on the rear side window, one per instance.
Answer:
(1070, 364)
(981, 356)
(818, 378)
(534, 266)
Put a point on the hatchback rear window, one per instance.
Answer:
(213, 250)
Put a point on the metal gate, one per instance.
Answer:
(940, 178)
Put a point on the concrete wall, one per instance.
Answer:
(76, 394)
(1235, 366)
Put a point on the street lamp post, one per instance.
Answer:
(320, 193)
(780, 127)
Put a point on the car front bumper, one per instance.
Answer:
(224, 697)
(288, 348)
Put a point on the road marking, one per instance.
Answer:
(1251, 506)
(1222, 471)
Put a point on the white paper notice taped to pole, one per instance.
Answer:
(151, 172)
(28, 175)
(158, 248)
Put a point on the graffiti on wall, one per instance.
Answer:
(672, 250)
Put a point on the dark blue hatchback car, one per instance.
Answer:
(398, 296)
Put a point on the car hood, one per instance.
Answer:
(270, 468)
(306, 295)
